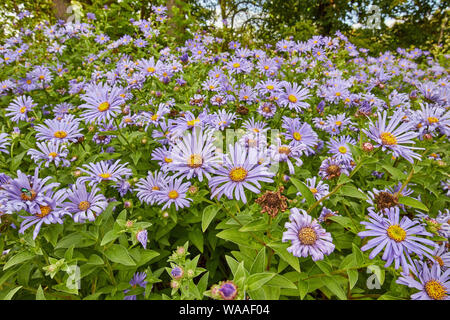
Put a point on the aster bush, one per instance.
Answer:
(134, 165)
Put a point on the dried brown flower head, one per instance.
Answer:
(272, 202)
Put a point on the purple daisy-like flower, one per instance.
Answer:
(339, 148)
(4, 142)
(267, 110)
(398, 238)
(319, 190)
(307, 237)
(281, 152)
(433, 284)
(104, 171)
(102, 103)
(141, 236)
(332, 168)
(27, 192)
(392, 136)
(241, 169)
(65, 130)
(146, 188)
(51, 211)
(19, 108)
(300, 134)
(173, 192)
(50, 152)
(194, 155)
(137, 280)
(294, 97)
(84, 205)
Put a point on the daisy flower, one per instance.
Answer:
(240, 170)
(173, 192)
(65, 130)
(307, 237)
(19, 108)
(84, 205)
(104, 171)
(398, 238)
(50, 152)
(294, 96)
(4, 142)
(392, 136)
(146, 187)
(340, 150)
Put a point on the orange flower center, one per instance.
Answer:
(60, 134)
(84, 205)
(103, 106)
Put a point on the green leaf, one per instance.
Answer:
(238, 237)
(257, 280)
(305, 191)
(395, 173)
(256, 225)
(281, 281)
(346, 222)
(380, 273)
(208, 215)
(303, 287)
(40, 294)
(95, 260)
(352, 277)
(119, 254)
(18, 258)
(111, 235)
(325, 267)
(334, 287)
(260, 260)
(11, 293)
(281, 250)
(232, 263)
(196, 237)
(411, 202)
(352, 191)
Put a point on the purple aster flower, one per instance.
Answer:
(123, 186)
(307, 237)
(228, 290)
(398, 238)
(163, 155)
(433, 284)
(340, 150)
(194, 155)
(431, 119)
(27, 192)
(240, 170)
(50, 152)
(19, 108)
(325, 214)
(102, 103)
(392, 136)
(239, 65)
(173, 191)
(146, 188)
(320, 190)
(294, 96)
(177, 272)
(300, 134)
(102, 38)
(65, 130)
(141, 236)
(222, 119)
(332, 168)
(84, 205)
(137, 280)
(335, 124)
(104, 171)
(4, 142)
(267, 110)
(281, 152)
(51, 211)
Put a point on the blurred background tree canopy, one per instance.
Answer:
(378, 25)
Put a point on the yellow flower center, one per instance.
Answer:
(53, 154)
(266, 67)
(342, 149)
(195, 161)
(167, 160)
(338, 123)
(104, 175)
(270, 87)
(338, 94)
(432, 119)
(45, 210)
(28, 81)
(173, 194)
(388, 138)
(236, 65)
(151, 69)
(103, 106)
(154, 117)
(297, 136)
(60, 134)
(292, 98)
(284, 150)
(396, 233)
(238, 174)
(307, 236)
(193, 122)
(313, 190)
(84, 205)
(23, 109)
(435, 290)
